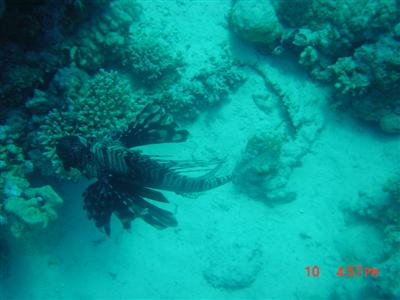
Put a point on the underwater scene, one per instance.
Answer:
(185, 149)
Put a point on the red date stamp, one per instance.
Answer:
(349, 271)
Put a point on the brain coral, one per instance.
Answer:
(256, 21)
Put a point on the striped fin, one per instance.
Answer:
(129, 187)
(178, 183)
(154, 215)
(152, 194)
(152, 126)
(99, 203)
(111, 158)
(106, 197)
(169, 175)
(175, 180)
(184, 184)
(190, 166)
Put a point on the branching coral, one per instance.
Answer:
(350, 78)
(105, 104)
(149, 56)
(350, 45)
(373, 72)
(354, 21)
(373, 65)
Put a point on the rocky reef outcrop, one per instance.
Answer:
(352, 46)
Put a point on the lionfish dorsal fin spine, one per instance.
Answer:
(152, 126)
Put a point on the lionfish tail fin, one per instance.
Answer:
(153, 126)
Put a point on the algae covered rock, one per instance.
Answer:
(383, 213)
(102, 41)
(390, 123)
(234, 266)
(209, 87)
(296, 116)
(5, 255)
(256, 21)
(262, 172)
(35, 205)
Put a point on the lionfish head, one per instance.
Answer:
(71, 150)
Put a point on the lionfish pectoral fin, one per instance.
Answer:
(98, 205)
(127, 187)
(154, 215)
(152, 126)
(125, 214)
(152, 194)
(155, 222)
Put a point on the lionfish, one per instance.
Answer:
(126, 178)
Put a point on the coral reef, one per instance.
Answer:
(12, 158)
(35, 45)
(57, 77)
(343, 43)
(24, 71)
(383, 212)
(21, 208)
(336, 28)
(46, 92)
(102, 41)
(95, 108)
(207, 88)
(351, 45)
(149, 57)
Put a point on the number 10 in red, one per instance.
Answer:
(314, 271)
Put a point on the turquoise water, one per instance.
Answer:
(296, 100)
